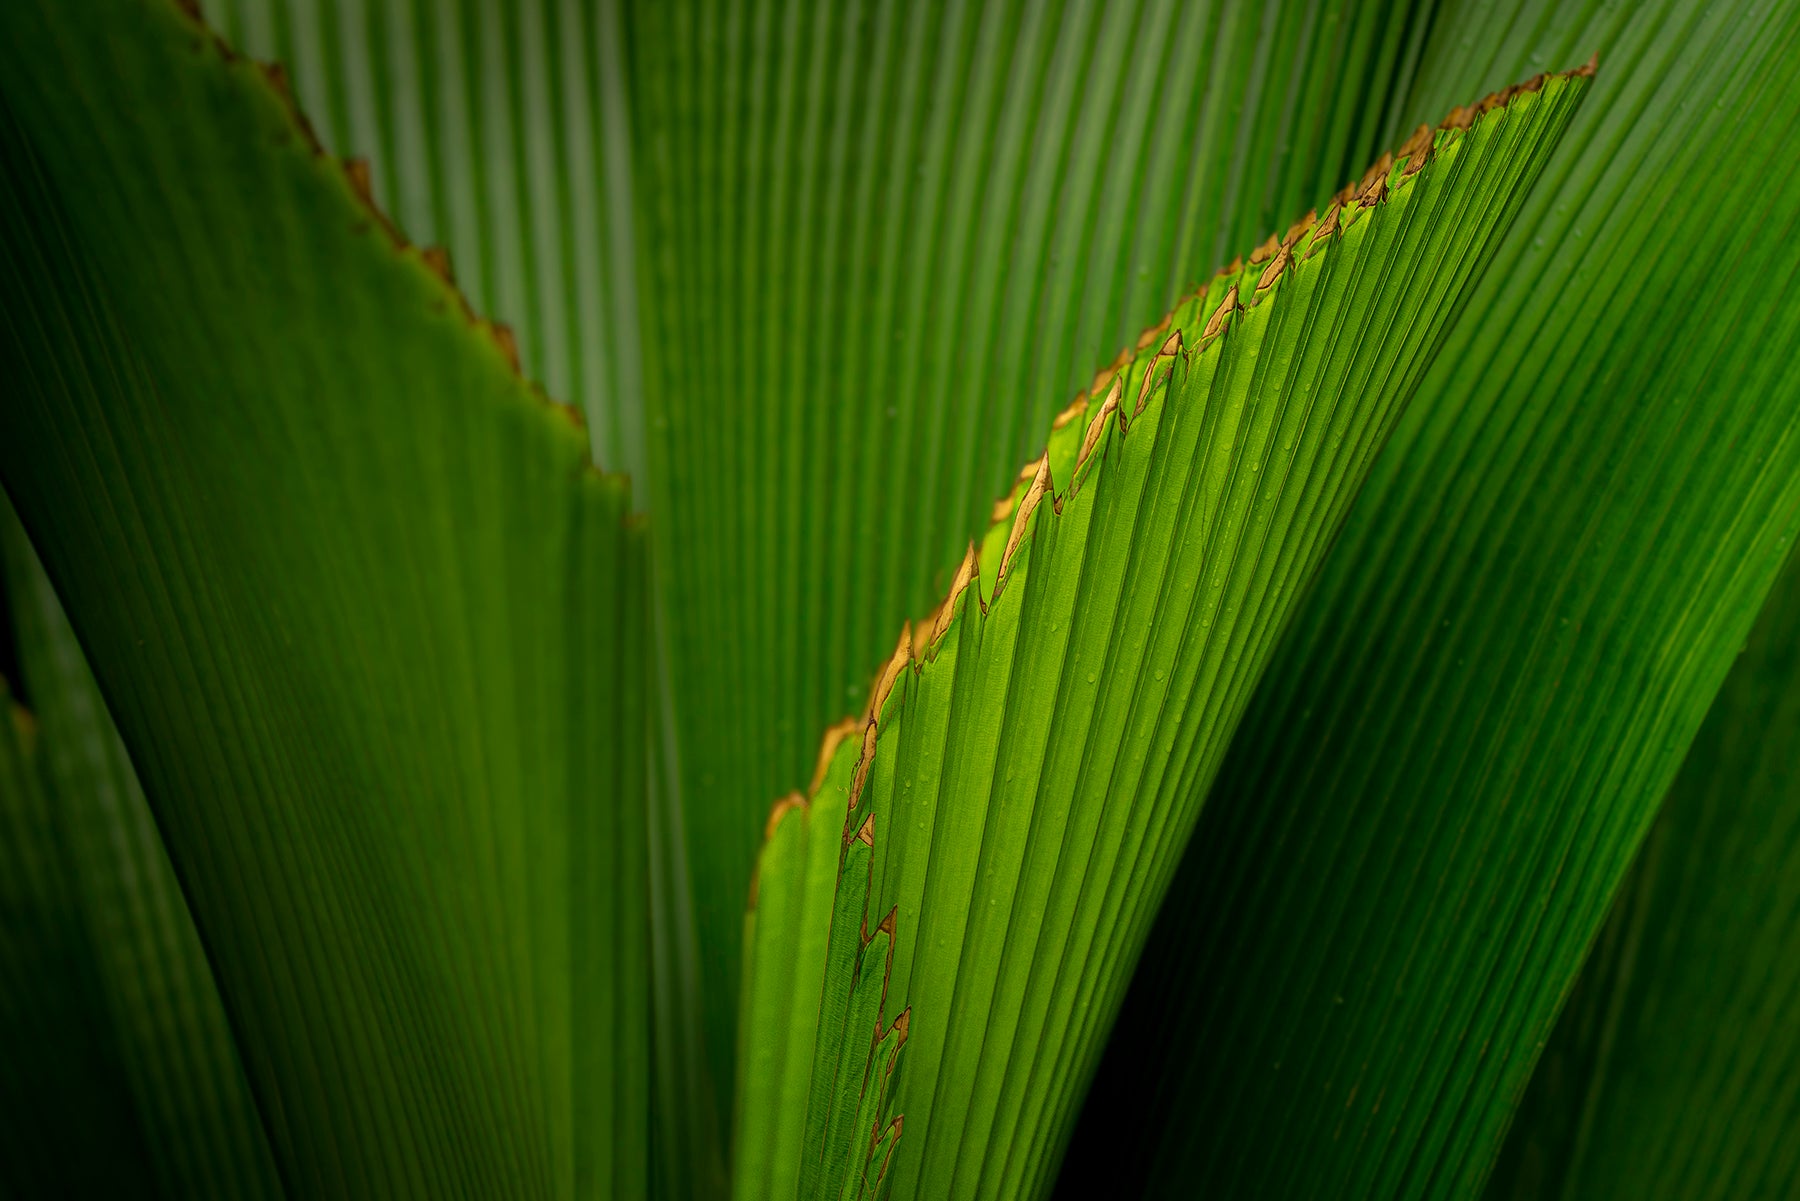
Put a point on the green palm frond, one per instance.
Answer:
(386, 788)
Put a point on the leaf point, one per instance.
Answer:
(1273, 271)
(1039, 484)
(1298, 229)
(1098, 425)
(966, 573)
(1215, 325)
(437, 261)
(1170, 348)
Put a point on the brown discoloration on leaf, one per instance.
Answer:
(1461, 117)
(871, 738)
(966, 573)
(1233, 267)
(1022, 519)
(1098, 425)
(1417, 150)
(509, 346)
(437, 260)
(903, 654)
(1273, 271)
(1170, 348)
(1265, 252)
(1375, 192)
(356, 170)
(899, 659)
(1377, 171)
(1298, 229)
(1325, 231)
(1215, 324)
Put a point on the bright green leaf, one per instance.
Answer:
(1471, 722)
(881, 244)
(1042, 746)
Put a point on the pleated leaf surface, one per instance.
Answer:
(1672, 1072)
(882, 243)
(1468, 729)
(1038, 750)
(71, 1128)
(369, 623)
(500, 131)
(159, 1006)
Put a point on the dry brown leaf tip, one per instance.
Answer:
(437, 261)
(903, 653)
(1265, 252)
(1417, 150)
(1097, 426)
(1374, 192)
(1040, 484)
(356, 170)
(1298, 229)
(966, 573)
(1325, 230)
(1170, 348)
(277, 76)
(502, 336)
(1273, 271)
(1215, 324)
(1378, 170)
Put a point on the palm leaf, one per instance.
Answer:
(1037, 752)
(71, 1127)
(881, 245)
(378, 658)
(457, 795)
(1671, 1072)
(158, 1007)
(1465, 735)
